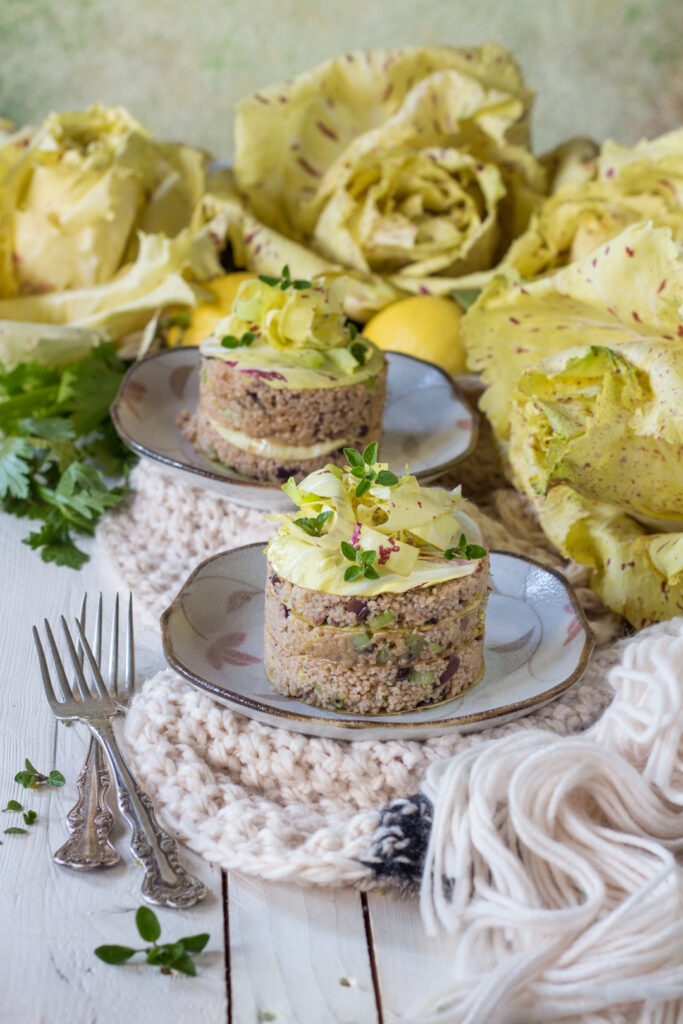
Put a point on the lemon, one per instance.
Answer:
(204, 317)
(426, 326)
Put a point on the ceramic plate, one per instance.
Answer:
(426, 423)
(537, 644)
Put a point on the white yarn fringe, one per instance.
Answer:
(552, 861)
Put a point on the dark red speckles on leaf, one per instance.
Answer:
(661, 287)
(679, 331)
(261, 99)
(262, 374)
(385, 552)
(304, 164)
(387, 92)
(636, 317)
(629, 252)
(355, 536)
(595, 263)
(513, 320)
(326, 130)
(225, 651)
(610, 172)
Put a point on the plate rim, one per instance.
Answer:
(424, 476)
(366, 722)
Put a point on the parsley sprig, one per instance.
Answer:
(464, 550)
(169, 956)
(362, 562)
(59, 449)
(285, 281)
(362, 467)
(313, 527)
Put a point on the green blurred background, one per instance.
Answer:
(602, 68)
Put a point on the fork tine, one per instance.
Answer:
(130, 651)
(97, 639)
(80, 675)
(90, 657)
(49, 692)
(114, 650)
(61, 674)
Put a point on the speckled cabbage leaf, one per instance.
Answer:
(628, 290)
(406, 166)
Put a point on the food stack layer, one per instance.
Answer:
(258, 431)
(286, 382)
(375, 599)
(376, 654)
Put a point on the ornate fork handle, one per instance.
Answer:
(90, 821)
(166, 881)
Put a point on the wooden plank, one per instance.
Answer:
(298, 956)
(412, 968)
(53, 918)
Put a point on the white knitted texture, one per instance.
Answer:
(564, 895)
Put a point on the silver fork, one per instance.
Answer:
(90, 820)
(166, 881)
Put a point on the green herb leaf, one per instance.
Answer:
(300, 285)
(368, 557)
(230, 341)
(115, 954)
(352, 329)
(55, 778)
(166, 954)
(267, 279)
(354, 458)
(370, 454)
(147, 924)
(363, 487)
(359, 351)
(14, 831)
(370, 573)
(470, 552)
(313, 527)
(15, 467)
(386, 478)
(415, 644)
(348, 551)
(353, 572)
(195, 943)
(184, 964)
(30, 817)
(13, 805)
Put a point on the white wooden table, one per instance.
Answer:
(277, 952)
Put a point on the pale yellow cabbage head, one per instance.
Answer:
(406, 167)
(101, 225)
(595, 431)
(630, 184)
(627, 290)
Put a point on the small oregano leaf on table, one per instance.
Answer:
(115, 954)
(147, 924)
(13, 805)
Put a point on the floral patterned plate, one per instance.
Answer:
(426, 423)
(537, 644)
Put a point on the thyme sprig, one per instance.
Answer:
(464, 550)
(170, 957)
(362, 466)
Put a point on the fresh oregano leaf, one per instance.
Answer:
(115, 954)
(147, 924)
